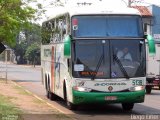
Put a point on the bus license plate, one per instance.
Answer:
(111, 98)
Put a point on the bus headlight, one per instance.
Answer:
(81, 89)
(137, 88)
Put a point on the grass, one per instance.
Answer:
(8, 111)
(6, 107)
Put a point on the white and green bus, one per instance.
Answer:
(79, 56)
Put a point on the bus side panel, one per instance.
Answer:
(46, 64)
(61, 72)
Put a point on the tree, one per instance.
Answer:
(16, 17)
(14, 14)
(27, 41)
(33, 54)
(33, 34)
(20, 50)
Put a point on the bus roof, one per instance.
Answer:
(92, 10)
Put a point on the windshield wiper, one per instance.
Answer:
(140, 69)
(120, 66)
(98, 66)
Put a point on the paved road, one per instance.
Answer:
(30, 78)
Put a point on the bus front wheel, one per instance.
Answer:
(70, 105)
(127, 106)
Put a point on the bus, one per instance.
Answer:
(79, 56)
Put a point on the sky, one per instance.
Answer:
(50, 10)
(137, 2)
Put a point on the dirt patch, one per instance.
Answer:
(33, 108)
(23, 100)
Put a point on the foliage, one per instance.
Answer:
(25, 41)
(20, 50)
(32, 34)
(33, 53)
(16, 15)
(16, 28)
(13, 15)
(6, 107)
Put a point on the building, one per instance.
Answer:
(151, 20)
(7, 55)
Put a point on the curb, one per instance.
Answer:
(42, 100)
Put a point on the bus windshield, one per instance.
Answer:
(104, 59)
(106, 26)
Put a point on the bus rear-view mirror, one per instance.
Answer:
(151, 45)
(67, 47)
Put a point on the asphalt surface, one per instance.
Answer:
(30, 78)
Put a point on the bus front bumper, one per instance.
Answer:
(102, 97)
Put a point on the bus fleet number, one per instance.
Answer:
(137, 82)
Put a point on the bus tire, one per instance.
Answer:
(148, 89)
(70, 105)
(50, 95)
(46, 86)
(47, 90)
(127, 106)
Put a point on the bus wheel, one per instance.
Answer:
(46, 86)
(52, 96)
(70, 105)
(127, 106)
(48, 91)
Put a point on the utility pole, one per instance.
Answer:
(6, 60)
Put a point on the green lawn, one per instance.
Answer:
(6, 107)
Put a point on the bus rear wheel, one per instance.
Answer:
(50, 95)
(127, 106)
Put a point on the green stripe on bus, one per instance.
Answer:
(97, 97)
